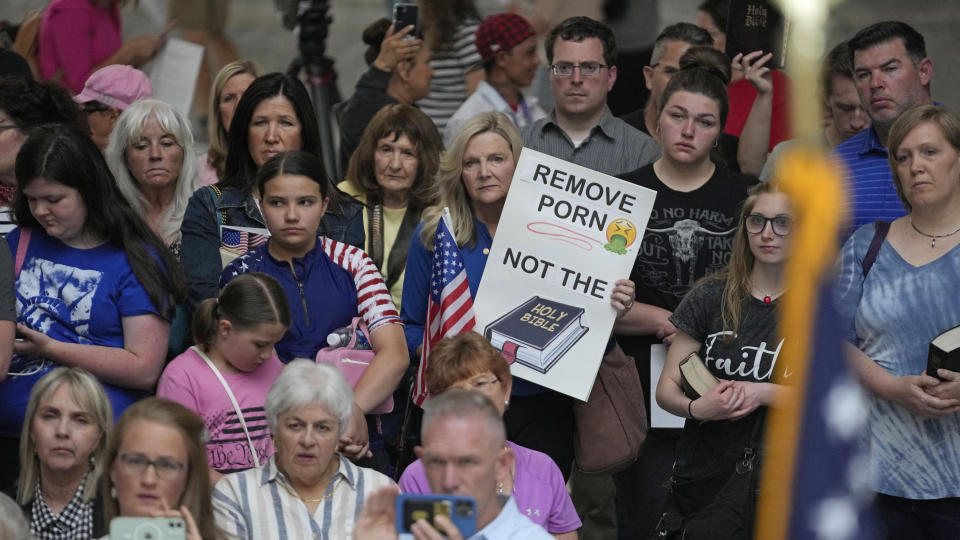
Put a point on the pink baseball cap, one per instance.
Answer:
(116, 86)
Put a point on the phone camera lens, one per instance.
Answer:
(464, 508)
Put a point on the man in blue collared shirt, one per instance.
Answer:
(507, 44)
(892, 73)
(464, 453)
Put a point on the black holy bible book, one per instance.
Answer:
(944, 352)
(538, 332)
(756, 25)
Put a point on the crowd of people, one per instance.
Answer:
(163, 307)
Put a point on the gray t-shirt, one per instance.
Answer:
(8, 301)
(751, 355)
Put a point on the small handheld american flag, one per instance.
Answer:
(450, 308)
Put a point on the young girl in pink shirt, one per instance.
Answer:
(225, 377)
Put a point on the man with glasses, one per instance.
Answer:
(582, 53)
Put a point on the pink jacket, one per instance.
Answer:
(75, 36)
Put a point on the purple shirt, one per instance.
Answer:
(538, 490)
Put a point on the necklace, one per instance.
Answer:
(766, 297)
(321, 499)
(932, 237)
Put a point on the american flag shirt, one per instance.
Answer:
(326, 288)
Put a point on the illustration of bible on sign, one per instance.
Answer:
(538, 332)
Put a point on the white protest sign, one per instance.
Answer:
(566, 235)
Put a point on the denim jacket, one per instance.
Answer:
(201, 235)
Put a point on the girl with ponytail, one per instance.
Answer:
(225, 377)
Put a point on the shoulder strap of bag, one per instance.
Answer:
(398, 253)
(22, 244)
(222, 214)
(233, 399)
(880, 230)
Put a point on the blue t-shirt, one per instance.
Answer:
(891, 315)
(75, 296)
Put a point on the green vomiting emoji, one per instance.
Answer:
(621, 234)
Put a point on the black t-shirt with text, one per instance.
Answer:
(689, 235)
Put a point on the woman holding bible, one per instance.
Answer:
(730, 320)
(896, 290)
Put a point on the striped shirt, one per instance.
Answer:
(260, 503)
(872, 193)
(613, 146)
(373, 299)
(6, 220)
(448, 87)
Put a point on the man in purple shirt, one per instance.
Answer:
(892, 73)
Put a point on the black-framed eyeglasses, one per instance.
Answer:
(587, 69)
(136, 465)
(781, 225)
(4, 127)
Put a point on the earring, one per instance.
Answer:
(113, 492)
(716, 142)
(506, 403)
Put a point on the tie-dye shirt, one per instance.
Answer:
(891, 316)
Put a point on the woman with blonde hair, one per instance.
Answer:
(894, 307)
(157, 465)
(473, 181)
(730, 320)
(228, 87)
(62, 445)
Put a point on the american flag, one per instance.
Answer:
(450, 308)
(240, 241)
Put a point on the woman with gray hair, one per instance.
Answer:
(61, 449)
(152, 156)
(306, 489)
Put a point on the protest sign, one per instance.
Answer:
(566, 235)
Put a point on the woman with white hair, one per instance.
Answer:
(151, 154)
(306, 489)
(62, 445)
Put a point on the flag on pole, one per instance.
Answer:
(450, 307)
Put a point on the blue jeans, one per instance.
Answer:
(933, 519)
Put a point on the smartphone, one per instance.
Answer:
(404, 15)
(462, 511)
(145, 528)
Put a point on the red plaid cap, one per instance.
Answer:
(501, 32)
